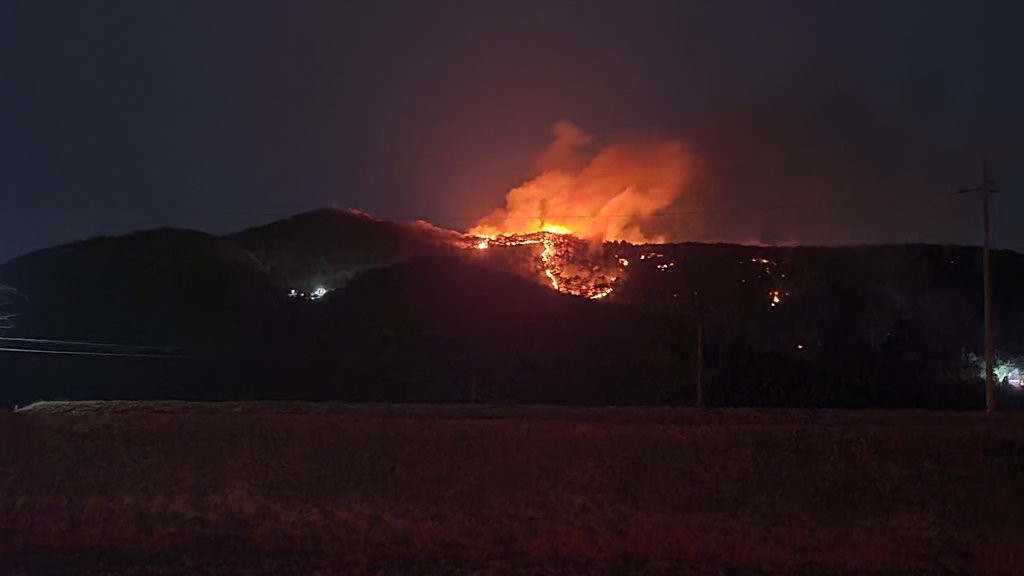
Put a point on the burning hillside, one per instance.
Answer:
(579, 199)
(563, 261)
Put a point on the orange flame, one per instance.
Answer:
(577, 197)
(604, 196)
(563, 262)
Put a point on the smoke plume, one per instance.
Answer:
(607, 194)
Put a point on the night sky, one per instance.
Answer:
(816, 122)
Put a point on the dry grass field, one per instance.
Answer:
(116, 487)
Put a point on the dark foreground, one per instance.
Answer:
(106, 563)
(291, 488)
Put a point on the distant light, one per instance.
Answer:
(799, 346)
(293, 293)
(482, 245)
(318, 293)
(1006, 370)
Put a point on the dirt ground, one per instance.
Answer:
(296, 488)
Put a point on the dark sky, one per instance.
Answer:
(819, 122)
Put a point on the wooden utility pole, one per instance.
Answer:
(990, 386)
(700, 362)
(700, 352)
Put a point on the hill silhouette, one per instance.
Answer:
(440, 329)
(167, 287)
(330, 247)
(859, 326)
(411, 317)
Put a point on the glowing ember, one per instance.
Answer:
(775, 297)
(766, 262)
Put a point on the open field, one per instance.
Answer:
(478, 489)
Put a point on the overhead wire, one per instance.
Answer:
(86, 344)
(89, 353)
(97, 348)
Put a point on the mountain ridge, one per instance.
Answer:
(411, 312)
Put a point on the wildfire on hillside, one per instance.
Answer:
(578, 200)
(563, 261)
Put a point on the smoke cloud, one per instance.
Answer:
(815, 164)
(598, 193)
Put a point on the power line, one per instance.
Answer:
(86, 353)
(85, 344)
(106, 349)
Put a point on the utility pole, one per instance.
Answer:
(700, 362)
(990, 387)
(700, 352)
